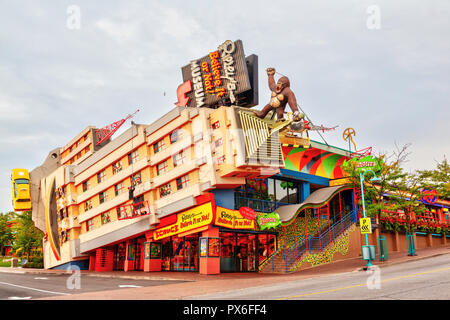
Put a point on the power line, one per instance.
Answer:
(308, 118)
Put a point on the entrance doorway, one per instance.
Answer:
(119, 256)
(180, 253)
(244, 251)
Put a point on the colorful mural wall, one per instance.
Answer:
(314, 161)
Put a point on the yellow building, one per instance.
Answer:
(98, 203)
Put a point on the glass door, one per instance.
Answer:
(191, 253)
(119, 256)
(227, 252)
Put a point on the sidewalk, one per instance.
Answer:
(206, 284)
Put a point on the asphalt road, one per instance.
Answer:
(426, 279)
(16, 286)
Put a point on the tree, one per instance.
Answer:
(6, 233)
(389, 173)
(406, 198)
(28, 237)
(438, 178)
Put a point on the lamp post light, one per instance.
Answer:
(362, 173)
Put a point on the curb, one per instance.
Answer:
(405, 261)
(143, 277)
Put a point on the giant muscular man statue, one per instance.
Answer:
(281, 95)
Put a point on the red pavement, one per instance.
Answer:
(198, 284)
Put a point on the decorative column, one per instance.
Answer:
(210, 254)
(130, 256)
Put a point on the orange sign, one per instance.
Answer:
(188, 220)
(232, 219)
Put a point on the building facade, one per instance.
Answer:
(192, 191)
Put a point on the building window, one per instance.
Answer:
(175, 135)
(90, 225)
(119, 188)
(133, 157)
(136, 179)
(165, 190)
(85, 185)
(218, 142)
(106, 217)
(86, 150)
(158, 146)
(221, 160)
(162, 168)
(179, 158)
(103, 196)
(117, 167)
(182, 182)
(121, 212)
(88, 205)
(85, 136)
(101, 176)
(216, 125)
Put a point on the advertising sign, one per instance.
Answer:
(232, 219)
(221, 75)
(268, 220)
(430, 196)
(188, 220)
(247, 213)
(214, 247)
(366, 226)
(364, 164)
(203, 247)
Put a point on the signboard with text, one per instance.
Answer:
(232, 219)
(364, 164)
(268, 220)
(366, 226)
(219, 76)
(199, 216)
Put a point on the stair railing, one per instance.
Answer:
(317, 243)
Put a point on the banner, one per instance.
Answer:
(188, 220)
(268, 220)
(232, 219)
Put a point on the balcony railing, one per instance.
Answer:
(259, 205)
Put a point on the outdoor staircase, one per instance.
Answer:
(282, 260)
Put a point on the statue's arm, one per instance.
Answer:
(272, 84)
(292, 101)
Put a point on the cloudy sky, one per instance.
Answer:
(381, 67)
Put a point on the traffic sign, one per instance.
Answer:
(365, 225)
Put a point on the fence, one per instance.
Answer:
(259, 205)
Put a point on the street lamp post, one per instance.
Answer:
(362, 173)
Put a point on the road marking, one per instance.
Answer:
(41, 278)
(40, 290)
(19, 298)
(128, 286)
(363, 284)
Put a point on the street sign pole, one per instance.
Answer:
(361, 178)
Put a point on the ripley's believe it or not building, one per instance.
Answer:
(209, 187)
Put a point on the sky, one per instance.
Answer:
(380, 67)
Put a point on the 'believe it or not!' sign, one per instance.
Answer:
(221, 75)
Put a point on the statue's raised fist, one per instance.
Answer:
(270, 71)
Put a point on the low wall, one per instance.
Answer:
(349, 245)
